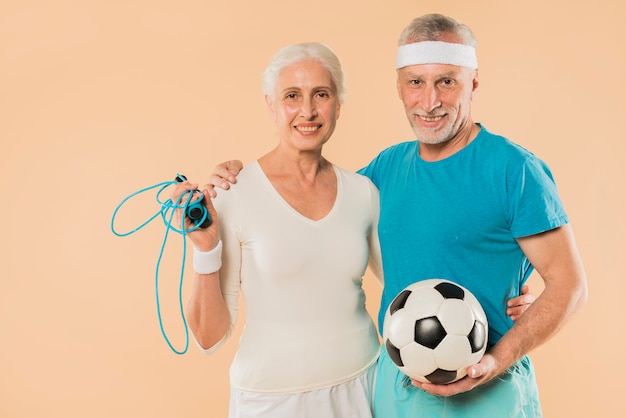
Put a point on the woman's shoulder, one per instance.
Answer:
(355, 180)
(247, 185)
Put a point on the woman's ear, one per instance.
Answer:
(270, 107)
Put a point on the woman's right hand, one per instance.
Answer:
(204, 239)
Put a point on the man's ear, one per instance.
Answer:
(398, 85)
(475, 84)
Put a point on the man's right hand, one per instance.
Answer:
(223, 176)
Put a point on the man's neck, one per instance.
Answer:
(437, 152)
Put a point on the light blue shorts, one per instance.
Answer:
(514, 394)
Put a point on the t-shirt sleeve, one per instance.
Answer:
(535, 204)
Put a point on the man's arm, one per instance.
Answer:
(555, 257)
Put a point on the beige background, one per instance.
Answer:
(101, 98)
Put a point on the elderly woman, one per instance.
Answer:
(295, 235)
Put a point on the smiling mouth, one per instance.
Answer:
(430, 118)
(308, 128)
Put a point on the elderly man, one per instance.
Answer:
(470, 206)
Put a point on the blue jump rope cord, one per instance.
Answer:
(167, 206)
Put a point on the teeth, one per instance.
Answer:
(431, 119)
(307, 128)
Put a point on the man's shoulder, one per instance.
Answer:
(398, 149)
(387, 159)
(499, 144)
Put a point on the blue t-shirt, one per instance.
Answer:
(458, 219)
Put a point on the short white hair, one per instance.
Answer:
(293, 54)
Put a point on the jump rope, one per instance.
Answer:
(196, 212)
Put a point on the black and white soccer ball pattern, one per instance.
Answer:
(434, 329)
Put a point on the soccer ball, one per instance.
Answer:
(434, 330)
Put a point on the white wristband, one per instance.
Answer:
(207, 262)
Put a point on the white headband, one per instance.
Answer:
(434, 52)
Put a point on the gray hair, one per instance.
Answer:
(432, 27)
(293, 54)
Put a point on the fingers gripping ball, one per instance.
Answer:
(434, 330)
